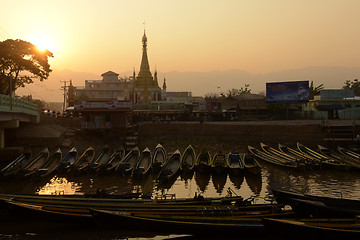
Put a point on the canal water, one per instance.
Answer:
(335, 183)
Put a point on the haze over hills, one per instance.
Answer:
(200, 83)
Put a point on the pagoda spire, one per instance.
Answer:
(144, 67)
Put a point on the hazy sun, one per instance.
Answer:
(42, 43)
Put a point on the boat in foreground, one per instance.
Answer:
(314, 228)
(127, 221)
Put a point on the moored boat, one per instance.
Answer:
(324, 160)
(218, 163)
(276, 153)
(84, 160)
(34, 164)
(101, 159)
(113, 162)
(316, 228)
(128, 162)
(272, 159)
(188, 160)
(15, 165)
(234, 163)
(68, 161)
(159, 158)
(171, 168)
(143, 164)
(251, 165)
(346, 159)
(51, 164)
(203, 161)
(310, 161)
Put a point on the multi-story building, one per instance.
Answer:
(110, 87)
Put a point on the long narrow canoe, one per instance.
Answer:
(347, 160)
(34, 164)
(316, 228)
(250, 163)
(143, 164)
(324, 160)
(128, 162)
(171, 167)
(50, 166)
(272, 159)
(274, 152)
(101, 159)
(234, 163)
(15, 165)
(188, 159)
(84, 160)
(159, 158)
(218, 163)
(309, 160)
(203, 161)
(348, 152)
(127, 221)
(68, 161)
(113, 162)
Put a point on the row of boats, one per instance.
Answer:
(309, 216)
(306, 158)
(135, 162)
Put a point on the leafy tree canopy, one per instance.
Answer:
(18, 56)
(355, 85)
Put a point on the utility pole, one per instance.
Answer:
(65, 88)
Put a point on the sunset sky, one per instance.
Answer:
(256, 36)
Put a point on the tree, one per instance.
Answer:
(314, 90)
(355, 85)
(18, 56)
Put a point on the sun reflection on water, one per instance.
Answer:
(59, 185)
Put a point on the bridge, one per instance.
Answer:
(13, 111)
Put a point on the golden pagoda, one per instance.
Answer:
(145, 86)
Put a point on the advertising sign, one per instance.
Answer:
(287, 92)
(103, 105)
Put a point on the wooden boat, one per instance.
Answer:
(234, 163)
(15, 165)
(159, 158)
(164, 211)
(128, 162)
(250, 163)
(307, 204)
(143, 164)
(218, 163)
(68, 161)
(127, 221)
(276, 153)
(348, 152)
(272, 159)
(203, 161)
(316, 228)
(34, 164)
(101, 159)
(113, 162)
(51, 164)
(84, 160)
(310, 161)
(120, 202)
(171, 167)
(346, 159)
(324, 160)
(188, 159)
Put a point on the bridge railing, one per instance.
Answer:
(17, 105)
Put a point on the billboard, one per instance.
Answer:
(287, 92)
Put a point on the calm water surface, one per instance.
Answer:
(336, 183)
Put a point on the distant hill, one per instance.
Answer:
(201, 83)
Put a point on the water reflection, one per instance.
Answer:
(219, 181)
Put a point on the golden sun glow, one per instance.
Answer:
(42, 43)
